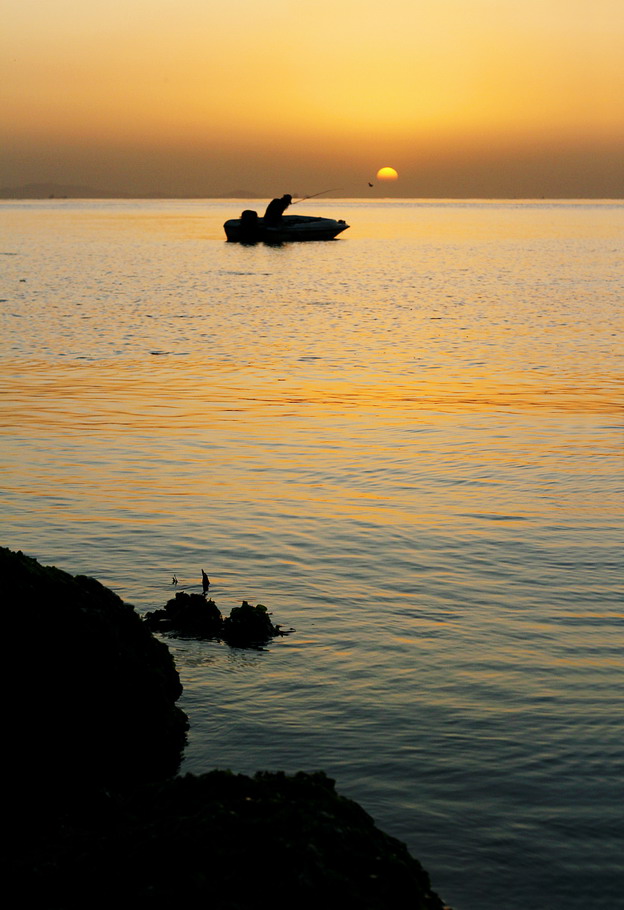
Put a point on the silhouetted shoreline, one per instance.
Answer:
(100, 812)
(53, 191)
(70, 191)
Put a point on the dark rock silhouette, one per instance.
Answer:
(221, 840)
(248, 624)
(192, 615)
(96, 814)
(187, 614)
(97, 691)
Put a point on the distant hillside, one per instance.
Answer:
(62, 191)
(56, 191)
(241, 194)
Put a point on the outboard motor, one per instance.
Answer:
(249, 225)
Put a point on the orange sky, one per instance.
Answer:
(191, 97)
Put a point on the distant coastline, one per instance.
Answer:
(69, 191)
(55, 191)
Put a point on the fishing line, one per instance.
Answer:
(322, 193)
(312, 195)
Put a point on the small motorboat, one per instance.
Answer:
(249, 228)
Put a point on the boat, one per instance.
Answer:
(249, 228)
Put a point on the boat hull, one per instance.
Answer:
(291, 229)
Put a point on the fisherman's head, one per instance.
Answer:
(287, 198)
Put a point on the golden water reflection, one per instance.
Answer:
(407, 444)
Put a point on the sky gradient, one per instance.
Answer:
(488, 98)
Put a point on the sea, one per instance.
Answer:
(407, 444)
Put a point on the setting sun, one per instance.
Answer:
(387, 173)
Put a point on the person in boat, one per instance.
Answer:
(276, 208)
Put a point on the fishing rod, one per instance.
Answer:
(322, 193)
(313, 195)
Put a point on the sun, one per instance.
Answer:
(387, 173)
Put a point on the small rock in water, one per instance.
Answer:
(191, 614)
(187, 614)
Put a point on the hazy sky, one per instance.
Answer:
(480, 98)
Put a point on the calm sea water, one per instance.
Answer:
(406, 443)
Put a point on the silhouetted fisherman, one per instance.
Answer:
(205, 582)
(276, 208)
(174, 580)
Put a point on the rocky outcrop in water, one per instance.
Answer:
(195, 616)
(97, 813)
(187, 614)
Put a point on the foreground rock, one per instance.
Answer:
(97, 815)
(96, 691)
(231, 842)
(192, 615)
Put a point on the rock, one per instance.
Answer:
(233, 842)
(187, 614)
(247, 625)
(97, 814)
(95, 690)
(193, 616)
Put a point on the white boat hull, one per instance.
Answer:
(292, 228)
